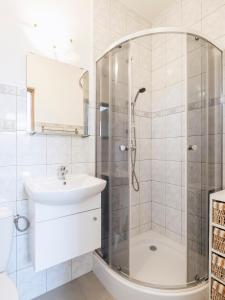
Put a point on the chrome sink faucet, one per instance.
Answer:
(62, 172)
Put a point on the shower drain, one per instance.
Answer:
(152, 248)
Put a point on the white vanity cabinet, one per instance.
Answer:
(59, 233)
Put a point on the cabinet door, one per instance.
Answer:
(59, 240)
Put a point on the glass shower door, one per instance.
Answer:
(112, 155)
(204, 155)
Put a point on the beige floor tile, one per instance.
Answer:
(87, 287)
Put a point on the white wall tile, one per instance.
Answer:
(158, 100)
(24, 172)
(31, 284)
(23, 252)
(8, 89)
(145, 128)
(145, 191)
(159, 78)
(214, 24)
(195, 65)
(101, 12)
(145, 213)
(58, 149)
(135, 216)
(158, 149)
(158, 214)
(174, 72)
(173, 172)
(31, 149)
(145, 170)
(134, 198)
(173, 148)
(144, 149)
(173, 125)
(158, 228)
(158, 170)
(158, 57)
(83, 168)
(59, 275)
(158, 127)
(173, 196)
(208, 6)
(13, 277)
(83, 149)
(191, 11)
(173, 236)
(158, 192)
(8, 112)
(81, 265)
(21, 113)
(12, 264)
(8, 184)
(173, 220)
(117, 20)
(174, 17)
(8, 148)
(174, 47)
(174, 96)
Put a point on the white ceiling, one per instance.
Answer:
(59, 29)
(147, 8)
(59, 21)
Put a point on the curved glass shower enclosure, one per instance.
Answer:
(159, 146)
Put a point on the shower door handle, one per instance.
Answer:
(123, 148)
(192, 147)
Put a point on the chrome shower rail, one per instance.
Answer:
(152, 31)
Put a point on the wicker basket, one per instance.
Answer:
(218, 266)
(219, 240)
(217, 291)
(218, 214)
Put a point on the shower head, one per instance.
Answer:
(140, 91)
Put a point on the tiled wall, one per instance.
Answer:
(23, 155)
(140, 51)
(168, 106)
(203, 16)
(113, 20)
(158, 64)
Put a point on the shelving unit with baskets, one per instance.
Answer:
(217, 246)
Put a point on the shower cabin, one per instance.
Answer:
(159, 147)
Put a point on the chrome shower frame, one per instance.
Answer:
(119, 44)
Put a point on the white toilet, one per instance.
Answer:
(8, 289)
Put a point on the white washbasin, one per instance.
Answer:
(52, 191)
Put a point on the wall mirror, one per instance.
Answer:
(57, 97)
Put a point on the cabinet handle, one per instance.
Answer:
(95, 218)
